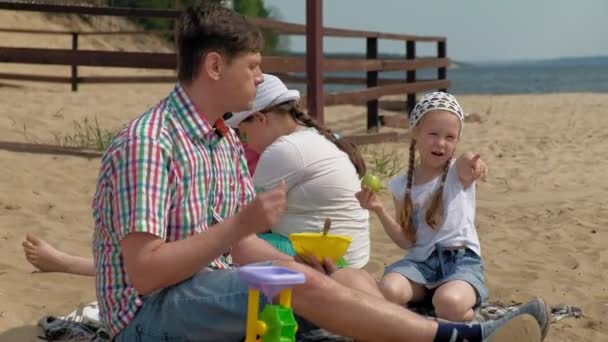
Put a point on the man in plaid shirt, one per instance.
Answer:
(175, 210)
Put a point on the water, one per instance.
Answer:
(530, 78)
(541, 77)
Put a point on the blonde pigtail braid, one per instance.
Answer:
(434, 214)
(406, 220)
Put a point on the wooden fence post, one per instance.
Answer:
(314, 59)
(410, 53)
(441, 53)
(178, 6)
(74, 66)
(372, 81)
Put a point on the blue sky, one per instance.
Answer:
(477, 30)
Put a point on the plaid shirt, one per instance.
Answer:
(168, 173)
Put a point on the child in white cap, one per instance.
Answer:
(435, 214)
(320, 169)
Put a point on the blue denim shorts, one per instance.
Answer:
(210, 306)
(442, 266)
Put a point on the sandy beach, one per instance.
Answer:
(542, 214)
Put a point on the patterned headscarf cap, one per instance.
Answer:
(436, 101)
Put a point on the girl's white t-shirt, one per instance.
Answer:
(458, 228)
(321, 182)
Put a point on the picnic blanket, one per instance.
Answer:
(83, 323)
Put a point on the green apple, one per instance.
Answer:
(372, 182)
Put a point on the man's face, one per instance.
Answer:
(240, 78)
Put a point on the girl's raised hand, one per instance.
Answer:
(479, 169)
(368, 199)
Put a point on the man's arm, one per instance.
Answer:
(253, 249)
(153, 264)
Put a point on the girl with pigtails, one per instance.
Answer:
(435, 216)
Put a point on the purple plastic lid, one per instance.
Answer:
(270, 279)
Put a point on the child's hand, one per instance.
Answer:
(368, 199)
(479, 169)
(470, 168)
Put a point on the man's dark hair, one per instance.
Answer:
(208, 26)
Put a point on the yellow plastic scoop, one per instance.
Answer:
(321, 245)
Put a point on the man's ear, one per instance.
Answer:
(212, 65)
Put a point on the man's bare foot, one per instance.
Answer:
(43, 256)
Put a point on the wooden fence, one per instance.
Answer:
(312, 66)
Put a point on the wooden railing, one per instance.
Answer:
(311, 67)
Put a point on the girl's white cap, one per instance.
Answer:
(268, 93)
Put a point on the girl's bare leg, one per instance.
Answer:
(400, 290)
(454, 301)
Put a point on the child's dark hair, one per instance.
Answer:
(208, 26)
(293, 109)
(434, 213)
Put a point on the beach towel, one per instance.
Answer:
(83, 323)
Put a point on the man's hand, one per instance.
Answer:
(264, 211)
(328, 267)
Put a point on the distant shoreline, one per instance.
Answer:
(565, 61)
